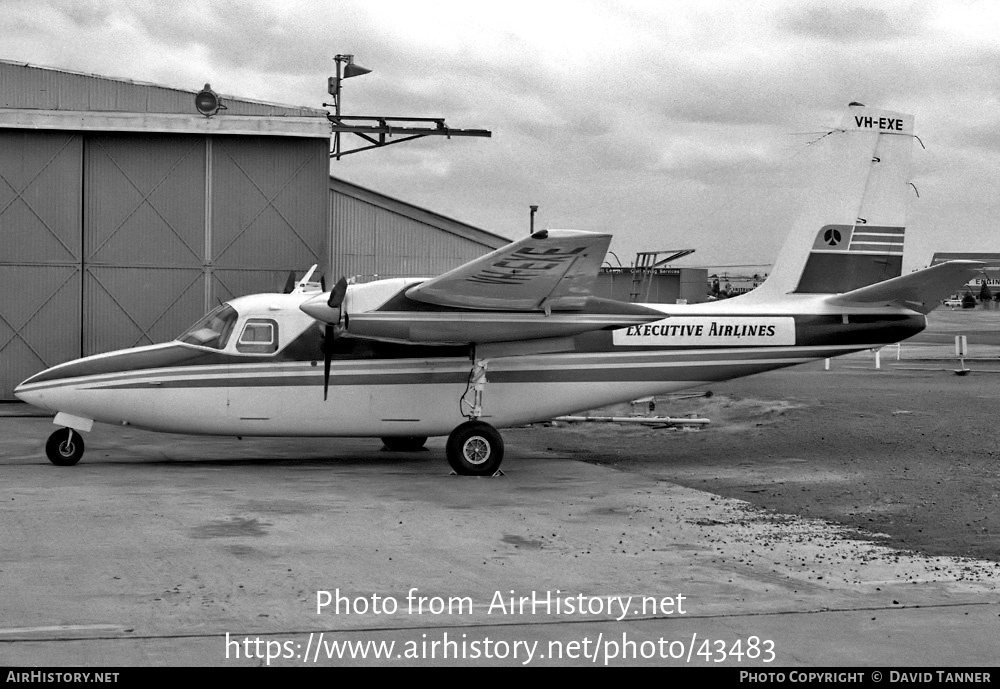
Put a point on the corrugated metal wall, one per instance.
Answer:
(40, 252)
(369, 240)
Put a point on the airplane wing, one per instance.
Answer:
(538, 287)
(921, 291)
(550, 270)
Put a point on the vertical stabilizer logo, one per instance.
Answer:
(865, 239)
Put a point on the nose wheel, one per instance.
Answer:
(64, 447)
(475, 449)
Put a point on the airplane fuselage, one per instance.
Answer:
(384, 389)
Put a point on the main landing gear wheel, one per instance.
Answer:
(64, 447)
(475, 449)
(406, 443)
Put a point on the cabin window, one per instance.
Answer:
(259, 336)
(213, 330)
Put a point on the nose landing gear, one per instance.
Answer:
(64, 447)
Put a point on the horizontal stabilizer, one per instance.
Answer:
(921, 291)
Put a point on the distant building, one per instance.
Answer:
(652, 286)
(991, 268)
(729, 281)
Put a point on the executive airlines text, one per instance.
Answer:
(729, 331)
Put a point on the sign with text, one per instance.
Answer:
(729, 331)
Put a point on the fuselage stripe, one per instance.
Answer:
(450, 371)
(652, 371)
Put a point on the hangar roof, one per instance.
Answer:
(29, 86)
(442, 222)
(35, 97)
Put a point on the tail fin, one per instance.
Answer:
(851, 234)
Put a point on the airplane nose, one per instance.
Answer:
(33, 397)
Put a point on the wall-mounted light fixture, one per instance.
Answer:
(207, 101)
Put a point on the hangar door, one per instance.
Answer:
(144, 229)
(40, 252)
(175, 224)
(140, 234)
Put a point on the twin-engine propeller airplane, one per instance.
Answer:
(516, 336)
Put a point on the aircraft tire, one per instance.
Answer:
(475, 449)
(406, 443)
(64, 447)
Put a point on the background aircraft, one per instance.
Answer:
(516, 336)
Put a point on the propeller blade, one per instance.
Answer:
(289, 283)
(328, 335)
(338, 293)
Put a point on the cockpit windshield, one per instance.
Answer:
(213, 330)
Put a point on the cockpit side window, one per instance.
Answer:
(259, 336)
(213, 330)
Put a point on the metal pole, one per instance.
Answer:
(336, 105)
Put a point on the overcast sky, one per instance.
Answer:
(670, 124)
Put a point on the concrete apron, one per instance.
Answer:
(154, 548)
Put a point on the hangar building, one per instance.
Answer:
(125, 214)
(657, 286)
